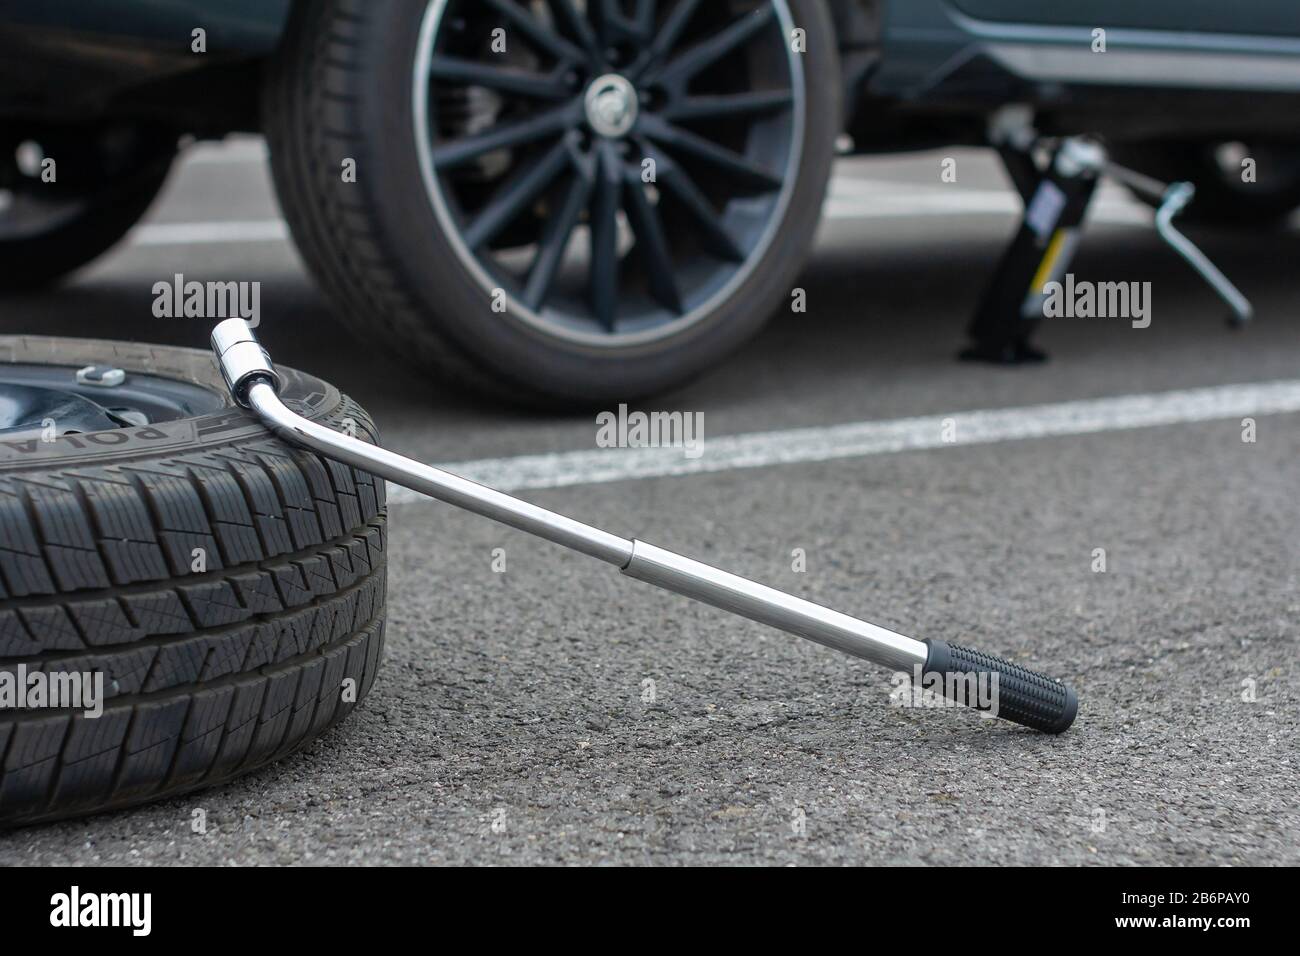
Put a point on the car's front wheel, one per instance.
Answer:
(584, 202)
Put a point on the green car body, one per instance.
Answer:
(472, 162)
(69, 58)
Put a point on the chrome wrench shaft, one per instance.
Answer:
(1027, 698)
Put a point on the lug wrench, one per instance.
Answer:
(965, 676)
(1173, 199)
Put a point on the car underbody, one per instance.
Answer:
(71, 81)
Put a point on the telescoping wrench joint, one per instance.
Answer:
(965, 676)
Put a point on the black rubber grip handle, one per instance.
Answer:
(1018, 694)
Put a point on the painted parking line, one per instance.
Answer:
(848, 199)
(854, 198)
(204, 233)
(861, 439)
(984, 203)
(228, 153)
(893, 207)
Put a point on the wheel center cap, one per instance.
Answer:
(612, 106)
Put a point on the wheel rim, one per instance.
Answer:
(32, 396)
(29, 208)
(96, 165)
(620, 168)
(1280, 166)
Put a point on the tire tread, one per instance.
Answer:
(208, 674)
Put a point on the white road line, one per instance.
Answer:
(874, 199)
(855, 186)
(971, 204)
(202, 233)
(228, 152)
(857, 199)
(859, 439)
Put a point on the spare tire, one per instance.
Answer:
(225, 589)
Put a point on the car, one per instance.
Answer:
(578, 202)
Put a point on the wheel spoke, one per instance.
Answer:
(651, 242)
(673, 28)
(571, 139)
(612, 25)
(521, 82)
(604, 235)
(554, 241)
(674, 180)
(761, 103)
(515, 194)
(645, 16)
(565, 10)
(543, 38)
(716, 47)
(505, 135)
(744, 172)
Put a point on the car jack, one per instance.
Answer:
(1057, 191)
(964, 676)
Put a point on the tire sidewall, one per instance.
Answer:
(515, 350)
(307, 394)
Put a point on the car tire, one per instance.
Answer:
(1222, 198)
(210, 668)
(396, 258)
(50, 230)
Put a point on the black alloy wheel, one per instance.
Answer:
(560, 201)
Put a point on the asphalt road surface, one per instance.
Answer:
(556, 713)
